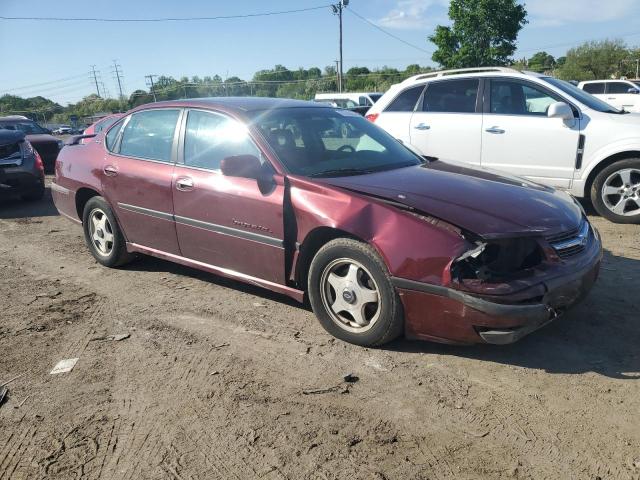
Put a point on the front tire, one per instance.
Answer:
(351, 293)
(103, 234)
(615, 193)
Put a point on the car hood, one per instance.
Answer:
(41, 138)
(488, 204)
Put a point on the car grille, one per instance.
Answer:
(568, 244)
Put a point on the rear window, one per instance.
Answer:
(406, 101)
(593, 88)
(451, 96)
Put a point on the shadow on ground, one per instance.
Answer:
(12, 207)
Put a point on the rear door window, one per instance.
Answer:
(406, 101)
(149, 135)
(112, 136)
(594, 88)
(451, 96)
(618, 87)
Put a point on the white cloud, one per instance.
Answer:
(413, 14)
(550, 13)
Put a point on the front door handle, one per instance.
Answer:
(110, 171)
(422, 126)
(184, 184)
(494, 130)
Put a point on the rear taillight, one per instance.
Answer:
(39, 164)
(372, 117)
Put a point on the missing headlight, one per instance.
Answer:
(498, 260)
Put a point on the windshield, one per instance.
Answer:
(375, 97)
(323, 142)
(582, 96)
(29, 128)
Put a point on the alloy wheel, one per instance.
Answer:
(621, 192)
(350, 295)
(101, 232)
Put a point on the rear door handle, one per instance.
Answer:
(184, 184)
(422, 126)
(110, 171)
(494, 130)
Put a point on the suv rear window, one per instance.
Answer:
(406, 101)
(451, 96)
(593, 88)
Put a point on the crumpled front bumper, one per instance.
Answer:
(434, 312)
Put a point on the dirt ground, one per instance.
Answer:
(211, 382)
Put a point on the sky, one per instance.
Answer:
(53, 58)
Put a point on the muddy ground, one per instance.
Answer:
(211, 382)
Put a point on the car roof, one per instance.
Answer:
(237, 104)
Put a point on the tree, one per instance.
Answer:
(483, 33)
(597, 60)
(541, 62)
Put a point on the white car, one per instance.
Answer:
(349, 99)
(62, 130)
(622, 94)
(530, 125)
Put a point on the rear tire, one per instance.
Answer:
(351, 293)
(103, 234)
(615, 193)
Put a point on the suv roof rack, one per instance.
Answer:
(457, 71)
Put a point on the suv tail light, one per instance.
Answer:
(372, 117)
(39, 164)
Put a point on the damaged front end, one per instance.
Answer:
(491, 264)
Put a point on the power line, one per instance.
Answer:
(351, 10)
(165, 19)
(27, 87)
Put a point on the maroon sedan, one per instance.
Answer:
(383, 242)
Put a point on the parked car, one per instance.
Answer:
(21, 168)
(622, 94)
(382, 241)
(63, 130)
(349, 99)
(99, 125)
(531, 125)
(46, 144)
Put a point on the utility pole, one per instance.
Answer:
(153, 91)
(337, 10)
(117, 69)
(338, 76)
(94, 76)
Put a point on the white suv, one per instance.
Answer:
(622, 94)
(527, 124)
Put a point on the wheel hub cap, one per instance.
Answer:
(350, 295)
(621, 192)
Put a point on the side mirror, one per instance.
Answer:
(560, 110)
(634, 91)
(245, 166)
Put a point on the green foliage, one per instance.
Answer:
(598, 60)
(483, 33)
(541, 62)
